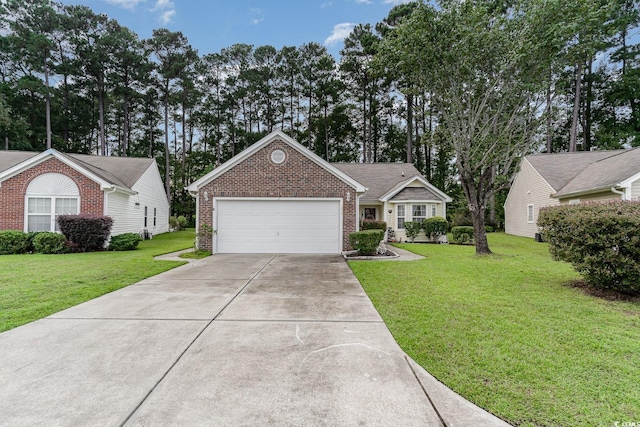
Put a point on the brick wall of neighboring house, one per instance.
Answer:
(297, 176)
(13, 190)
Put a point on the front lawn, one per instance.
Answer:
(507, 333)
(35, 286)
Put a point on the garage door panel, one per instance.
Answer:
(278, 226)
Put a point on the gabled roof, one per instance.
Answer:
(385, 181)
(586, 172)
(275, 135)
(120, 173)
(560, 168)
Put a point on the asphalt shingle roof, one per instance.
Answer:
(584, 171)
(379, 178)
(415, 193)
(120, 171)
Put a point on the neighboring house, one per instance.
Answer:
(37, 187)
(559, 178)
(278, 197)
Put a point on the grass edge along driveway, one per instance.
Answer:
(36, 286)
(506, 332)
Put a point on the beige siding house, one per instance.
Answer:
(553, 179)
(396, 193)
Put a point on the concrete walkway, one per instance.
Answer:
(283, 340)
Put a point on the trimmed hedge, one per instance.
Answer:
(372, 224)
(411, 229)
(86, 232)
(366, 242)
(462, 234)
(600, 240)
(178, 223)
(49, 243)
(13, 242)
(124, 242)
(435, 227)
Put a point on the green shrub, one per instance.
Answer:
(462, 234)
(462, 219)
(372, 224)
(30, 236)
(13, 242)
(411, 229)
(124, 242)
(489, 229)
(366, 242)
(86, 232)
(435, 227)
(178, 223)
(49, 243)
(600, 240)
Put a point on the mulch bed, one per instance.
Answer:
(606, 294)
(387, 253)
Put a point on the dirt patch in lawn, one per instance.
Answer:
(607, 294)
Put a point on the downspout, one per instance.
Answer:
(106, 204)
(106, 199)
(616, 191)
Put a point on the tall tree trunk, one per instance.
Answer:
(477, 206)
(573, 146)
(549, 120)
(6, 142)
(586, 131)
(326, 134)
(167, 164)
(47, 102)
(409, 128)
(103, 139)
(125, 126)
(492, 199)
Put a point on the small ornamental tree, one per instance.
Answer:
(600, 240)
(86, 232)
(411, 229)
(435, 227)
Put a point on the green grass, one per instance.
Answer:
(507, 333)
(35, 286)
(199, 254)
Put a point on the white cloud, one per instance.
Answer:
(396, 2)
(327, 4)
(167, 16)
(340, 32)
(258, 16)
(256, 21)
(363, 1)
(126, 4)
(163, 5)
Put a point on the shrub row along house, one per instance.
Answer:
(277, 196)
(37, 187)
(569, 178)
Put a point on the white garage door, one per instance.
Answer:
(278, 226)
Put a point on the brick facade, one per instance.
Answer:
(13, 191)
(297, 176)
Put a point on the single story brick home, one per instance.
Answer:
(278, 197)
(37, 187)
(560, 178)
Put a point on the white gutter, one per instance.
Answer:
(106, 199)
(616, 191)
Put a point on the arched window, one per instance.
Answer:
(48, 196)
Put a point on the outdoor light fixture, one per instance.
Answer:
(348, 196)
(206, 196)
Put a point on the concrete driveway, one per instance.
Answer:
(228, 340)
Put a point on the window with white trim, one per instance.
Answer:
(530, 214)
(418, 213)
(48, 196)
(146, 213)
(155, 216)
(401, 216)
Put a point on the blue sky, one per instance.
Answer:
(211, 25)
